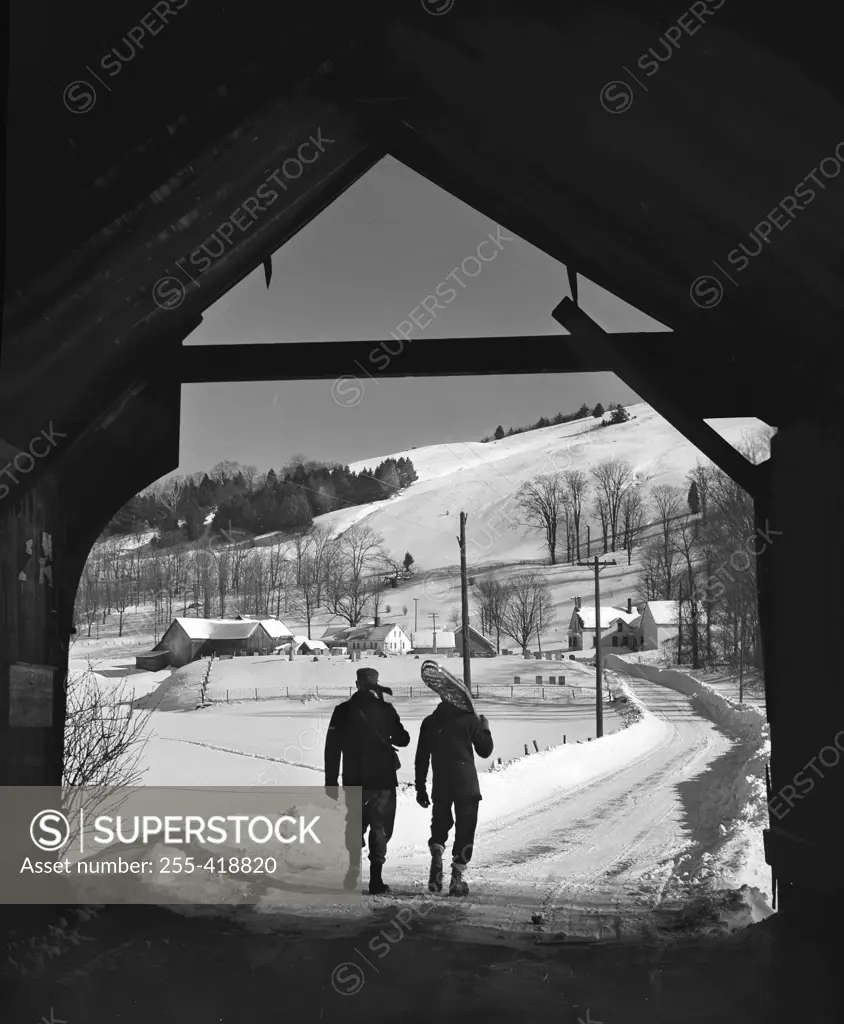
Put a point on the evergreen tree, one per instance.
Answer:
(499, 433)
(598, 410)
(694, 499)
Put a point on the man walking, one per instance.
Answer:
(447, 739)
(364, 730)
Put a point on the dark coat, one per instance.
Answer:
(447, 739)
(368, 760)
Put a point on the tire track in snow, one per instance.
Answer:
(240, 753)
(629, 819)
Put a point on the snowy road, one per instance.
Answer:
(592, 860)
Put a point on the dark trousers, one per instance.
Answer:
(466, 815)
(379, 816)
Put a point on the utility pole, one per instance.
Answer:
(741, 663)
(599, 707)
(588, 543)
(433, 616)
(416, 614)
(464, 600)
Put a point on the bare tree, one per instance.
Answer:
(632, 513)
(528, 605)
(250, 475)
(669, 502)
(104, 735)
(358, 553)
(650, 578)
(540, 505)
(223, 577)
(576, 485)
(612, 477)
(601, 511)
(305, 602)
(168, 494)
(491, 595)
(686, 544)
(225, 470)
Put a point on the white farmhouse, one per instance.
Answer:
(660, 622)
(388, 638)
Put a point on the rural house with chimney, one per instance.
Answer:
(582, 628)
(388, 638)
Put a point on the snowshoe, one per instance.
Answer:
(447, 686)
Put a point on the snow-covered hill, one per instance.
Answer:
(482, 480)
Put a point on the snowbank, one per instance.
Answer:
(540, 778)
(734, 799)
(746, 723)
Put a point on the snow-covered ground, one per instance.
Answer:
(583, 837)
(595, 837)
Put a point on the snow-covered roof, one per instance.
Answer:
(313, 644)
(586, 614)
(217, 629)
(276, 628)
(370, 633)
(664, 612)
(425, 638)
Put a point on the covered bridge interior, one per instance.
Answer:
(555, 121)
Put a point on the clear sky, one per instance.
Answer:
(356, 273)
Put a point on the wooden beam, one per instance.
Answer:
(522, 354)
(660, 391)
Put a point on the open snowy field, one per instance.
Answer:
(596, 838)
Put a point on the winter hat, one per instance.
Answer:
(367, 679)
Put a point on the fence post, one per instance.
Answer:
(564, 739)
(535, 746)
(511, 691)
(227, 697)
(317, 691)
(543, 693)
(287, 688)
(256, 693)
(526, 750)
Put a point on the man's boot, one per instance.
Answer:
(435, 878)
(376, 883)
(458, 885)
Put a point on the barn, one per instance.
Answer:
(152, 661)
(276, 629)
(479, 646)
(189, 639)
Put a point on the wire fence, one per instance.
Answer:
(512, 691)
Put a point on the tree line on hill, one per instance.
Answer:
(349, 576)
(696, 531)
(618, 415)
(239, 498)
